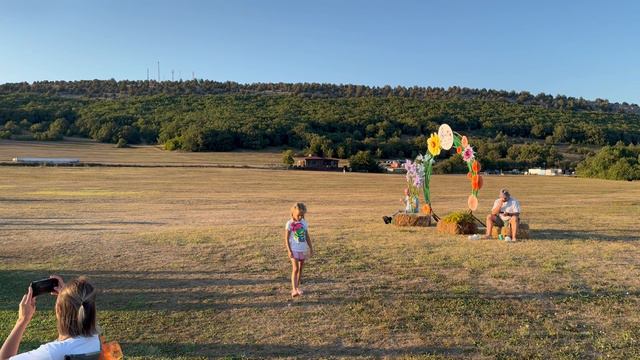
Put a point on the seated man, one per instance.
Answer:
(506, 209)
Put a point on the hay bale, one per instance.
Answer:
(523, 231)
(457, 223)
(455, 228)
(412, 220)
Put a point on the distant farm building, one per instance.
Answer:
(319, 163)
(46, 161)
(394, 166)
(547, 172)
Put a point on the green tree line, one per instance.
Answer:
(618, 162)
(113, 89)
(324, 119)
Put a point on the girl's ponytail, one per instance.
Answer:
(76, 309)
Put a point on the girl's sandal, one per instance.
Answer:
(294, 293)
(300, 292)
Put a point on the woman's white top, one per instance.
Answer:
(56, 350)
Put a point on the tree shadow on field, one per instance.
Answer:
(67, 224)
(220, 291)
(242, 350)
(126, 292)
(284, 350)
(173, 290)
(76, 222)
(552, 234)
(31, 200)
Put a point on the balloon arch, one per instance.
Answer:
(419, 170)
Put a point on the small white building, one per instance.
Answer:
(546, 172)
(45, 161)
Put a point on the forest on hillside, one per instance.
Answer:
(508, 129)
(113, 89)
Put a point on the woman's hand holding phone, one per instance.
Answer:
(27, 307)
(57, 289)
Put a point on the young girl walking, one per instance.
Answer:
(298, 245)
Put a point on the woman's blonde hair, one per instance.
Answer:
(76, 309)
(301, 207)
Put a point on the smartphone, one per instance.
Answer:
(43, 286)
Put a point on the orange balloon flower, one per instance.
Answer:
(464, 142)
(472, 202)
(426, 209)
(475, 166)
(476, 182)
(458, 149)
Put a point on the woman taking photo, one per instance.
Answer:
(75, 318)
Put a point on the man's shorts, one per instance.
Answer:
(499, 222)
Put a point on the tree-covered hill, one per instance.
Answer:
(113, 89)
(509, 129)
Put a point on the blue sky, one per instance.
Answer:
(575, 48)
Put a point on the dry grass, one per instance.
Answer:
(93, 152)
(191, 264)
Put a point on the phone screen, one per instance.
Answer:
(43, 286)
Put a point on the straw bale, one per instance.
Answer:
(455, 228)
(412, 220)
(523, 231)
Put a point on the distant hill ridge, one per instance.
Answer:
(115, 89)
(509, 130)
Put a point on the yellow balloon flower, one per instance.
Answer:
(433, 144)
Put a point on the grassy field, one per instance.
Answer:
(93, 152)
(191, 265)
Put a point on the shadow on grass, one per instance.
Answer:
(211, 350)
(67, 224)
(173, 290)
(23, 200)
(77, 228)
(281, 350)
(550, 234)
(77, 223)
(210, 290)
